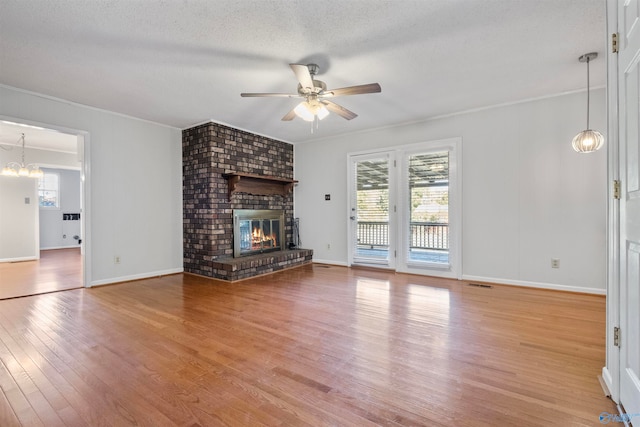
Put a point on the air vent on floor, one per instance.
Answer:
(479, 285)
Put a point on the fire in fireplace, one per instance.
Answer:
(257, 231)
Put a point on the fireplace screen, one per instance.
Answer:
(257, 231)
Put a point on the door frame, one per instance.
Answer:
(617, 315)
(83, 153)
(454, 269)
(611, 370)
(351, 189)
(398, 217)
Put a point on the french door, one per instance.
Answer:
(629, 239)
(372, 214)
(404, 209)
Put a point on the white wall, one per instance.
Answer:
(54, 232)
(18, 219)
(527, 196)
(134, 182)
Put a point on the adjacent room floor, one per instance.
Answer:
(56, 270)
(316, 345)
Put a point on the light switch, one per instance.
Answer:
(327, 196)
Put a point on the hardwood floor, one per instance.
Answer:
(57, 270)
(313, 346)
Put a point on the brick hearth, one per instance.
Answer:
(209, 152)
(233, 269)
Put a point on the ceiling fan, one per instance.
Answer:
(315, 95)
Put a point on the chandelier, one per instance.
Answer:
(30, 170)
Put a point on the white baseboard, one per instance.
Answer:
(135, 277)
(608, 380)
(331, 262)
(535, 285)
(61, 247)
(26, 258)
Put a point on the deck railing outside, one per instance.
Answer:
(424, 235)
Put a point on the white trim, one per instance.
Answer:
(140, 276)
(61, 167)
(611, 370)
(20, 259)
(606, 377)
(539, 285)
(61, 247)
(77, 104)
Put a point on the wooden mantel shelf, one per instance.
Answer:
(258, 184)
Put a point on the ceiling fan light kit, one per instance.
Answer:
(308, 110)
(316, 106)
(588, 140)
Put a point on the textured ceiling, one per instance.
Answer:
(184, 62)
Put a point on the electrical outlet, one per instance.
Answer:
(328, 246)
(116, 259)
(555, 263)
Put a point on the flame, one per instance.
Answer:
(258, 238)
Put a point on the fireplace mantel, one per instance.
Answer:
(258, 184)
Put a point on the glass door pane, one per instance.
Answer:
(371, 237)
(428, 208)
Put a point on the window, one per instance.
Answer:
(49, 190)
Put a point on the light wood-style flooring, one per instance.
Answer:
(56, 270)
(312, 346)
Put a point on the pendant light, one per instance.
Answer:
(588, 140)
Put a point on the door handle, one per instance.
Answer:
(353, 218)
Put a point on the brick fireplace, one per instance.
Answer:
(213, 155)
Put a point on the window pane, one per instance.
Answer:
(372, 193)
(48, 190)
(429, 220)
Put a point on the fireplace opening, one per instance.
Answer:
(257, 231)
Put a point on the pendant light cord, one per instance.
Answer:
(22, 137)
(588, 92)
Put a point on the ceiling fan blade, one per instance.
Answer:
(303, 75)
(281, 95)
(339, 110)
(289, 116)
(354, 90)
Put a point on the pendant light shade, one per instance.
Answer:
(308, 110)
(588, 140)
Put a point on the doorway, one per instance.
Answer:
(372, 223)
(63, 266)
(404, 208)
